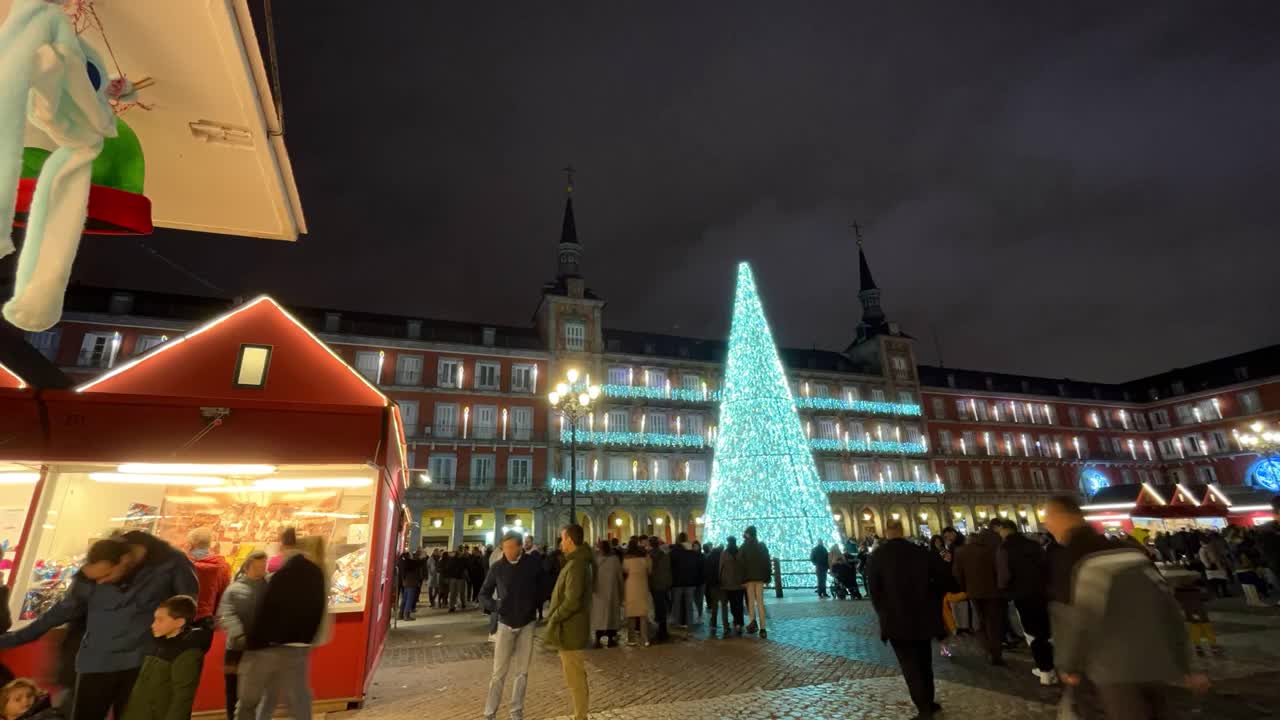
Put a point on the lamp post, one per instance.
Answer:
(573, 408)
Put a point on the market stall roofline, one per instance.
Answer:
(165, 347)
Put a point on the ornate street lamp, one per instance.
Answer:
(573, 407)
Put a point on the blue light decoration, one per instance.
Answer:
(560, 486)
(866, 407)
(895, 487)
(1093, 480)
(1265, 474)
(643, 392)
(869, 407)
(633, 439)
(879, 447)
(763, 472)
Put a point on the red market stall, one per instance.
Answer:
(1146, 508)
(244, 426)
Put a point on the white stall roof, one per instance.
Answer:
(215, 159)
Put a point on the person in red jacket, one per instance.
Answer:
(212, 572)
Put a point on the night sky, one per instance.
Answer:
(1068, 189)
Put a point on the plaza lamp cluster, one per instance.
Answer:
(572, 409)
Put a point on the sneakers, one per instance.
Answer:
(752, 628)
(1048, 677)
(764, 634)
(944, 650)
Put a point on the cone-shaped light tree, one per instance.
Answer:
(763, 472)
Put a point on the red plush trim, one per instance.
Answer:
(111, 211)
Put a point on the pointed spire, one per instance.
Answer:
(866, 282)
(569, 252)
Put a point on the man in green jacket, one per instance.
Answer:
(569, 620)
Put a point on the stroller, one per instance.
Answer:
(846, 579)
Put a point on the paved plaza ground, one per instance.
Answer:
(823, 659)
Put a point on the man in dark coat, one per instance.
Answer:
(1023, 574)
(821, 563)
(974, 568)
(1269, 539)
(905, 582)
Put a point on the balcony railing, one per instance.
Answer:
(478, 433)
(868, 407)
(455, 482)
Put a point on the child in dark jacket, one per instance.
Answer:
(1193, 599)
(166, 685)
(22, 699)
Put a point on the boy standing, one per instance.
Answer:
(166, 685)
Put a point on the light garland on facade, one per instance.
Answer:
(763, 472)
(881, 447)
(866, 407)
(560, 486)
(611, 438)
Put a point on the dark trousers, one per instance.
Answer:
(1134, 701)
(822, 582)
(1034, 613)
(100, 693)
(993, 617)
(409, 601)
(915, 657)
(660, 612)
(232, 683)
(737, 598)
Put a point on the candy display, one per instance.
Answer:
(50, 580)
(349, 578)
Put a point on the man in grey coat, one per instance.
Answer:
(1120, 625)
(235, 617)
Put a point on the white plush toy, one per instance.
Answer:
(49, 76)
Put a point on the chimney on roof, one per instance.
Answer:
(413, 329)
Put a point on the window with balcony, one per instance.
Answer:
(962, 409)
(975, 478)
(1055, 478)
(693, 424)
(484, 422)
(1184, 414)
(691, 382)
(446, 421)
(522, 378)
(831, 470)
(969, 443)
(46, 342)
(1050, 415)
(939, 409)
(997, 477)
(1008, 443)
(1220, 441)
(1015, 478)
(1073, 414)
(1249, 402)
(369, 364)
(906, 397)
(660, 469)
(850, 393)
(409, 416)
(619, 375)
(575, 336)
(1206, 474)
(944, 442)
(448, 372)
(656, 422)
(519, 473)
(487, 374)
(655, 378)
(1037, 478)
(877, 394)
(482, 472)
(913, 434)
(580, 466)
(953, 478)
(827, 429)
(695, 470)
(443, 470)
(1159, 418)
(409, 370)
(1140, 420)
(1168, 449)
(618, 421)
(619, 468)
(146, 342)
(1194, 445)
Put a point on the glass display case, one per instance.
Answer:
(17, 482)
(244, 513)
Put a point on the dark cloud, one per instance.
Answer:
(1069, 189)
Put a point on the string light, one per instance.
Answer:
(763, 472)
(865, 407)
(634, 439)
(560, 486)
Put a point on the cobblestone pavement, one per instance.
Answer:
(823, 659)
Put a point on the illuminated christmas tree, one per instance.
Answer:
(763, 473)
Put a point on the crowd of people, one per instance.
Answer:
(1123, 613)
(139, 617)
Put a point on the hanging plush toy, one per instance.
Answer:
(50, 77)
